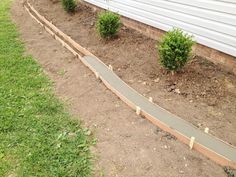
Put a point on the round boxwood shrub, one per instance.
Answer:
(69, 5)
(108, 24)
(175, 49)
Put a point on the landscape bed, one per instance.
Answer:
(204, 93)
(145, 145)
(174, 125)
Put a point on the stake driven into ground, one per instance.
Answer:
(37, 136)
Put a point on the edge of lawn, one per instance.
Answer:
(38, 137)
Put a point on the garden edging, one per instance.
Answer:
(74, 47)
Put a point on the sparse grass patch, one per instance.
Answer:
(37, 135)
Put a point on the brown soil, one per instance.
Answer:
(129, 145)
(202, 93)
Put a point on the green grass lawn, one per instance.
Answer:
(37, 136)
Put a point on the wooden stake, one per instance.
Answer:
(150, 99)
(97, 75)
(138, 110)
(75, 54)
(110, 67)
(191, 142)
(206, 130)
(63, 44)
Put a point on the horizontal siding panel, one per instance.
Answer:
(194, 11)
(207, 29)
(219, 6)
(156, 12)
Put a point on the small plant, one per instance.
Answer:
(69, 5)
(230, 172)
(108, 24)
(175, 49)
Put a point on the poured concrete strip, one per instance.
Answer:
(223, 153)
(210, 146)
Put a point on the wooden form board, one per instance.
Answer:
(214, 148)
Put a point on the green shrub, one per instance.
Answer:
(108, 24)
(175, 49)
(69, 5)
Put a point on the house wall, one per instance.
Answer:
(212, 22)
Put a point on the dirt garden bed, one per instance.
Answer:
(131, 146)
(202, 93)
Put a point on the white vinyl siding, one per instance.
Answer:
(212, 22)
